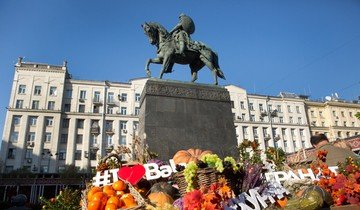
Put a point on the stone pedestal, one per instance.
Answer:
(178, 115)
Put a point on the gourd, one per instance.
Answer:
(186, 156)
(160, 198)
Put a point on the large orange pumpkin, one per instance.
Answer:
(186, 156)
(160, 198)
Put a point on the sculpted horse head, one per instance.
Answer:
(196, 56)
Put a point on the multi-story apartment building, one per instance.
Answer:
(54, 120)
(335, 118)
(274, 121)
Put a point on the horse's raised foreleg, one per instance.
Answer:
(211, 67)
(195, 67)
(153, 60)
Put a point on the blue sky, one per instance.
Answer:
(305, 47)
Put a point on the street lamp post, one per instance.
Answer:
(270, 114)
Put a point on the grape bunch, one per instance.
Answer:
(212, 160)
(190, 175)
(179, 167)
(201, 164)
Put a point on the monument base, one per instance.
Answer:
(178, 115)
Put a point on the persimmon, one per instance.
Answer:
(92, 191)
(110, 206)
(94, 205)
(109, 192)
(120, 193)
(107, 187)
(114, 200)
(128, 200)
(119, 185)
(100, 196)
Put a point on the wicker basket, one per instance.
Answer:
(207, 176)
(181, 182)
(139, 199)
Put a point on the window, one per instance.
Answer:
(52, 91)
(297, 109)
(82, 94)
(232, 104)
(96, 96)
(252, 117)
(137, 97)
(47, 137)
(251, 106)
(31, 136)
(63, 138)
(270, 108)
(123, 97)
(22, 89)
(321, 114)
(51, 105)
(281, 119)
(28, 153)
(245, 130)
(322, 123)
(285, 146)
(68, 93)
(255, 132)
(109, 140)
(278, 107)
(49, 121)
(37, 90)
(16, 120)
(108, 125)
(123, 111)
(291, 120)
(336, 123)
(353, 124)
(35, 104)
(283, 132)
(78, 155)
(136, 125)
(110, 97)
(93, 140)
(32, 121)
(295, 146)
(344, 123)
(123, 124)
(122, 140)
(303, 144)
(80, 123)
(347, 134)
(96, 109)
(261, 107)
(81, 108)
(299, 120)
(79, 138)
(334, 113)
(302, 134)
(339, 134)
(243, 117)
(62, 155)
(312, 114)
(265, 131)
(65, 123)
(350, 114)
(110, 110)
(242, 105)
(289, 108)
(342, 114)
(67, 107)
(14, 137)
(19, 104)
(293, 133)
(137, 110)
(266, 143)
(11, 153)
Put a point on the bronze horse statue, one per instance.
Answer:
(197, 54)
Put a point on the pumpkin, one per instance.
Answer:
(186, 156)
(282, 202)
(160, 198)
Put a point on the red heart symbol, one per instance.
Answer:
(131, 174)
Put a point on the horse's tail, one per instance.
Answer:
(219, 73)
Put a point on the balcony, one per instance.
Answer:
(110, 131)
(97, 101)
(94, 146)
(30, 144)
(95, 130)
(112, 103)
(267, 137)
(277, 137)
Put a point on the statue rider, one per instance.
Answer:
(182, 32)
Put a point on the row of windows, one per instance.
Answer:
(35, 104)
(275, 132)
(273, 119)
(262, 107)
(96, 109)
(108, 124)
(33, 120)
(334, 113)
(97, 95)
(37, 90)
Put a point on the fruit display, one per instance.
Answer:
(186, 156)
(111, 197)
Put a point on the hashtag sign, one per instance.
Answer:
(101, 180)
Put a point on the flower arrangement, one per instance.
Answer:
(344, 187)
(68, 199)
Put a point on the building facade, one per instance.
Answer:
(335, 118)
(54, 120)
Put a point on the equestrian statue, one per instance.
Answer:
(176, 46)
